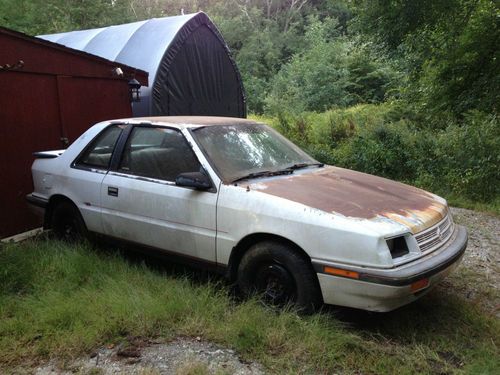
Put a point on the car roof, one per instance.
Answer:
(192, 121)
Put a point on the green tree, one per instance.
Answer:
(463, 71)
(40, 17)
(448, 47)
(335, 71)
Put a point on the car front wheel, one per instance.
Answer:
(67, 223)
(280, 275)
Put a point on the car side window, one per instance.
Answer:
(98, 153)
(157, 152)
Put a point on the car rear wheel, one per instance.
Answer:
(280, 275)
(67, 223)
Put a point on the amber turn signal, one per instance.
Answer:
(341, 272)
(420, 284)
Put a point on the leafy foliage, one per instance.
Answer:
(336, 73)
(464, 72)
(465, 157)
(431, 65)
(450, 47)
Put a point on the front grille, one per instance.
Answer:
(433, 237)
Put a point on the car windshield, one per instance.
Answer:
(249, 150)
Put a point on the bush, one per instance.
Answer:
(334, 72)
(335, 126)
(386, 149)
(463, 159)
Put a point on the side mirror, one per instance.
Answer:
(197, 180)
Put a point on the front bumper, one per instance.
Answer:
(388, 289)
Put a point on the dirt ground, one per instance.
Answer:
(182, 356)
(477, 279)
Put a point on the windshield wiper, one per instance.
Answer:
(304, 165)
(263, 174)
(287, 170)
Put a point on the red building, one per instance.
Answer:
(49, 95)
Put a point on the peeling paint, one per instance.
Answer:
(358, 195)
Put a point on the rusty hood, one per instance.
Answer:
(359, 195)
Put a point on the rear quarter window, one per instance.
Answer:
(98, 153)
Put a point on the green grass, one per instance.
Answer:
(492, 207)
(62, 301)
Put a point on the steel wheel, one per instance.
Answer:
(275, 283)
(280, 275)
(67, 223)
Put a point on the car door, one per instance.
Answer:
(84, 179)
(142, 204)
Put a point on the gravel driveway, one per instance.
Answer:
(182, 356)
(478, 277)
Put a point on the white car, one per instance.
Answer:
(236, 196)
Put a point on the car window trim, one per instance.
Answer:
(116, 156)
(120, 149)
(119, 173)
(161, 182)
(93, 168)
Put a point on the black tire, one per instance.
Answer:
(280, 275)
(67, 223)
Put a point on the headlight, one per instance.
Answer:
(397, 246)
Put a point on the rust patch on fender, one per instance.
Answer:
(360, 195)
